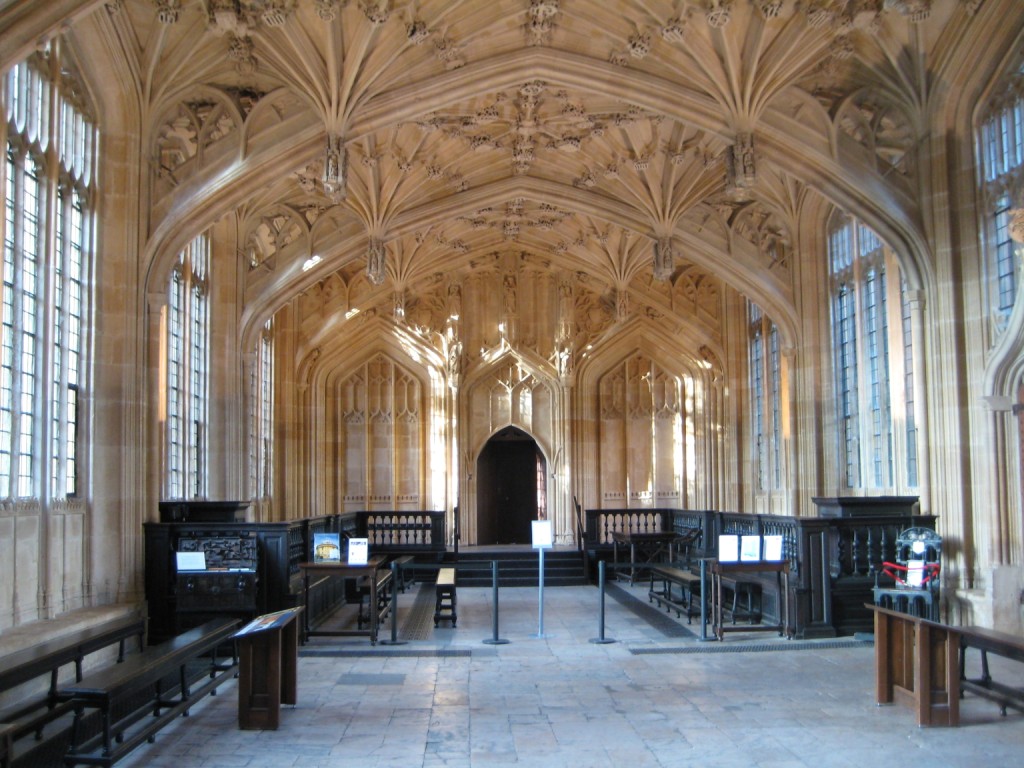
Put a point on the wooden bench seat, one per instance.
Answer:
(741, 588)
(383, 593)
(406, 576)
(687, 602)
(6, 745)
(1002, 644)
(444, 607)
(48, 659)
(165, 680)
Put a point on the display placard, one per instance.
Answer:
(750, 548)
(728, 548)
(190, 561)
(326, 548)
(773, 547)
(358, 551)
(542, 538)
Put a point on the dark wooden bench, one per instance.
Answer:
(444, 607)
(688, 601)
(733, 589)
(32, 714)
(404, 578)
(1002, 644)
(6, 745)
(383, 593)
(137, 697)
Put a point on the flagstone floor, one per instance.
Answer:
(656, 696)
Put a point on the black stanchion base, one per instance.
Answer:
(496, 641)
(602, 640)
(393, 642)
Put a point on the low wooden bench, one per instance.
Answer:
(404, 578)
(1002, 644)
(6, 745)
(689, 598)
(741, 588)
(444, 607)
(47, 659)
(383, 593)
(160, 679)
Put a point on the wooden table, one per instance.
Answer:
(735, 570)
(344, 571)
(650, 546)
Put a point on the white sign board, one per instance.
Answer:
(773, 547)
(750, 548)
(358, 551)
(190, 561)
(542, 538)
(728, 548)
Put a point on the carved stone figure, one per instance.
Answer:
(375, 256)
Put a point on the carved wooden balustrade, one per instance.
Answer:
(602, 523)
(403, 532)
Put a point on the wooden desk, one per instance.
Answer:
(736, 570)
(344, 571)
(916, 663)
(650, 546)
(267, 669)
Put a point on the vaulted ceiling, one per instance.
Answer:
(638, 144)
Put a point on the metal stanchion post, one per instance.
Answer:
(494, 639)
(394, 608)
(540, 594)
(601, 639)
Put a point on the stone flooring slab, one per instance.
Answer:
(654, 698)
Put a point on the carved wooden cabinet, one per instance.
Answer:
(272, 583)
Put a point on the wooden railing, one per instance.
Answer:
(404, 532)
(833, 560)
(602, 523)
(282, 546)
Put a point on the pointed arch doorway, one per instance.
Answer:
(511, 488)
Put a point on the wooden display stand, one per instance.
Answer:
(916, 664)
(267, 669)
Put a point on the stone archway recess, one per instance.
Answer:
(509, 473)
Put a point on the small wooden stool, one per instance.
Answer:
(444, 608)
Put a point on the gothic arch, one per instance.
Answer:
(514, 390)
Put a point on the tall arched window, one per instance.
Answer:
(875, 423)
(1001, 149)
(49, 189)
(765, 400)
(187, 372)
(261, 418)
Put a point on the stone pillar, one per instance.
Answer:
(915, 300)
